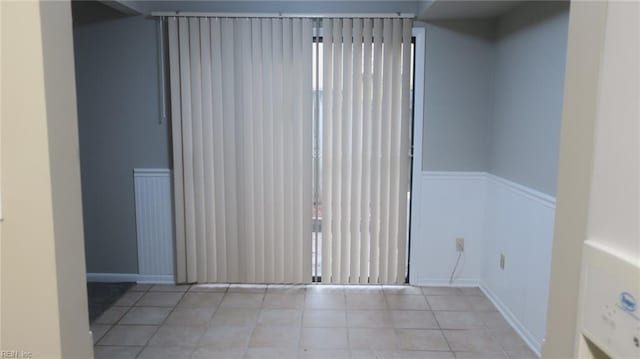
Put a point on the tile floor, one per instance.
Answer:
(313, 321)
(102, 295)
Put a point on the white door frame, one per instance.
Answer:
(419, 32)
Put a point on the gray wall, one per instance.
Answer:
(494, 93)
(491, 104)
(459, 87)
(531, 49)
(118, 115)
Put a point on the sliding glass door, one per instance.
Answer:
(365, 142)
(317, 235)
(291, 150)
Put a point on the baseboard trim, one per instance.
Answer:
(151, 171)
(430, 282)
(512, 320)
(130, 277)
(454, 175)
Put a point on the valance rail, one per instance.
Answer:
(391, 15)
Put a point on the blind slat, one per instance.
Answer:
(229, 113)
(268, 151)
(176, 128)
(356, 153)
(394, 153)
(258, 145)
(218, 150)
(346, 122)
(207, 146)
(374, 249)
(336, 200)
(248, 103)
(365, 183)
(306, 142)
(186, 115)
(327, 155)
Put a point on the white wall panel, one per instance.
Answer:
(154, 221)
(447, 205)
(494, 216)
(519, 224)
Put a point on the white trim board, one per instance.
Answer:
(418, 117)
(541, 197)
(151, 171)
(130, 277)
(528, 338)
(453, 175)
(444, 282)
(546, 199)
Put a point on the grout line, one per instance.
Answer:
(255, 324)
(346, 319)
(445, 338)
(117, 322)
(298, 352)
(305, 293)
(163, 322)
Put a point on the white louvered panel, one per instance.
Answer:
(154, 224)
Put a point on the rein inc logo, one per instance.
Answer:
(628, 303)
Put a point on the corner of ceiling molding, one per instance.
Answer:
(422, 7)
(123, 6)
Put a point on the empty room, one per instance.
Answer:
(320, 179)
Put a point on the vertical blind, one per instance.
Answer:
(242, 125)
(241, 106)
(365, 149)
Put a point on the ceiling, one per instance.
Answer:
(458, 9)
(424, 9)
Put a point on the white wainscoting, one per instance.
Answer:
(154, 221)
(446, 206)
(154, 230)
(519, 224)
(494, 216)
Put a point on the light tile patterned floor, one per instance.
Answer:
(312, 321)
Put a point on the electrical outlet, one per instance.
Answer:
(459, 244)
(502, 258)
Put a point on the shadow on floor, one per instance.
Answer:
(102, 295)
